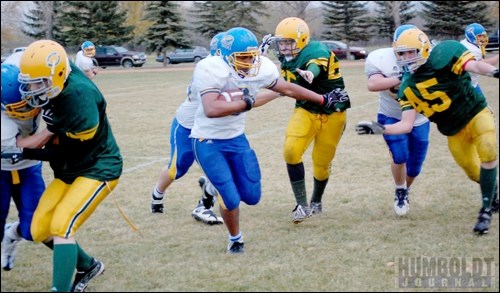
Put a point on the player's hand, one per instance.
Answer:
(14, 155)
(369, 127)
(306, 74)
(494, 73)
(337, 100)
(266, 43)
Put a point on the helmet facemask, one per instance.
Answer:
(20, 110)
(89, 52)
(242, 67)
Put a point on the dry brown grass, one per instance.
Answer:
(352, 246)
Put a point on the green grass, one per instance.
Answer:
(353, 246)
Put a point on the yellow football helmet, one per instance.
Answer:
(44, 68)
(412, 49)
(292, 34)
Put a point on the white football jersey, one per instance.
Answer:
(83, 62)
(186, 111)
(215, 75)
(12, 127)
(476, 51)
(383, 61)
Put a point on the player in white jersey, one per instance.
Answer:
(220, 144)
(408, 151)
(83, 59)
(475, 41)
(182, 158)
(21, 180)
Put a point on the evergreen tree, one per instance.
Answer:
(448, 19)
(391, 14)
(42, 21)
(101, 22)
(346, 20)
(212, 17)
(166, 30)
(209, 17)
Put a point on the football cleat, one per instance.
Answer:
(9, 243)
(483, 222)
(316, 207)
(235, 247)
(300, 213)
(207, 216)
(83, 278)
(156, 204)
(401, 202)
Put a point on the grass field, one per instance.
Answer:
(355, 245)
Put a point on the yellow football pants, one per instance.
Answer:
(63, 208)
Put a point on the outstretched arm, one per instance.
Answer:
(481, 68)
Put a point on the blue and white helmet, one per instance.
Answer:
(401, 29)
(12, 103)
(215, 44)
(476, 35)
(88, 49)
(240, 43)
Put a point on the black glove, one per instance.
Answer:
(15, 155)
(337, 100)
(369, 127)
(495, 73)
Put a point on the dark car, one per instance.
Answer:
(492, 42)
(118, 56)
(181, 55)
(340, 50)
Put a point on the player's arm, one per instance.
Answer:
(265, 96)
(378, 82)
(216, 105)
(295, 91)
(35, 141)
(405, 125)
(491, 60)
(481, 68)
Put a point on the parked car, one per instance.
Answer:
(340, 49)
(181, 55)
(492, 42)
(118, 56)
(18, 49)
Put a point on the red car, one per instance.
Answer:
(340, 49)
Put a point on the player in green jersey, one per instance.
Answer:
(87, 163)
(438, 85)
(312, 65)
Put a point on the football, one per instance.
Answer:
(230, 96)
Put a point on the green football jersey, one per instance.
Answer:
(328, 79)
(441, 89)
(78, 117)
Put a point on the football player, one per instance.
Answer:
(84, 61)
(219, 143)
(182, 158)
(21, 180)
(475, 41)
(87, 163)
(408, 151)
(311, 65)
(436, 84)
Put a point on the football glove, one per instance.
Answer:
(14, 155)
(337, 100)
(369, 127)
(266, 43)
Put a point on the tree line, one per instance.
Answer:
(160, 25)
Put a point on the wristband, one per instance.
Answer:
(249, 101)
